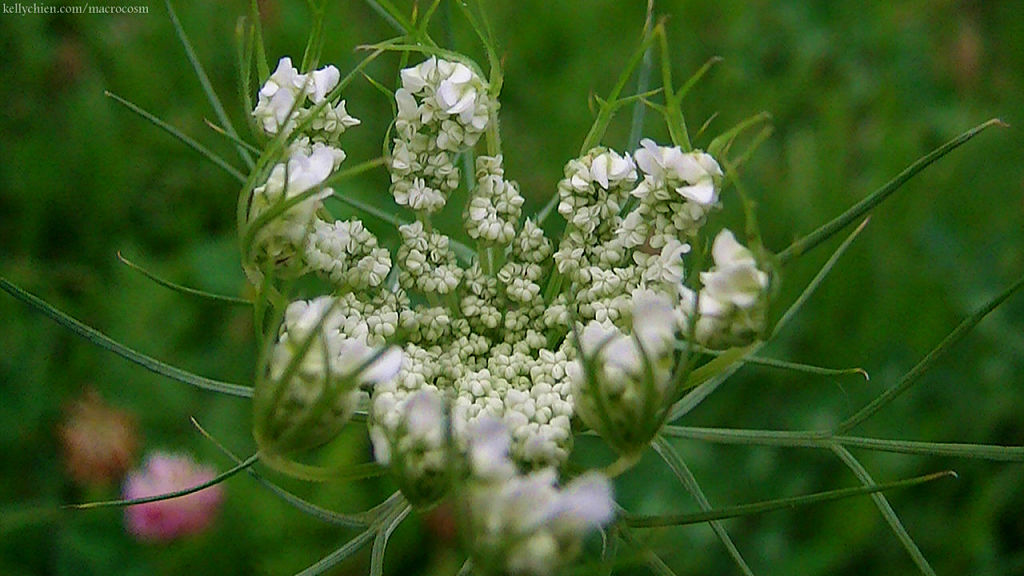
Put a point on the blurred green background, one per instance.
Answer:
(856, 92)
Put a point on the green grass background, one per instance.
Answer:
(856, 92)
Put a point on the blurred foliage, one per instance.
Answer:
(857, 92)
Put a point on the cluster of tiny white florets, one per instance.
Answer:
(411, 425)
(290, 234)
(525, 523)
(428, 262)
(289, 99)
(492, 213)
(676, 194)
(731, 306)
(284, 207)
(622, 382)
(348, 254)
(603, 256)
(443, 108)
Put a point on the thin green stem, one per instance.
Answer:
(176, 494)
(777, 504)
(825, 440)
(675, 462)
(826, 231)
(887, 511)
(186, 140)
(204, 80)
(107, 343)
(911, 377)
(182, 289)
(815, 282)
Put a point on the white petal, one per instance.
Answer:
(599, 170)
(461, 74)
(726, 249)
(488, 449)
(586, 503)
(385, 367)
(702, 193)
(324, 80)
(647, 158)
(424, 413)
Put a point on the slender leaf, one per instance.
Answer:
(359, 520)
(823, 439)
(204, 80)
(654, 562)
(234, 139)
(180, 288)
(341, 554)
(911, 377)
(186, 140)
(778, 504)
(694, 397)
(675, 462)
(829, 229)
(380, 543)
(392, 15)
(262, 68)
(887, 512)
(176, 494)
(812, 286)
(103, 341)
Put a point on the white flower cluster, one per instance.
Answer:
(317, 367)
(731, 306)
(348, 254)
(290, 235)
(493, 211)
(677, 192)
(289, 99)
(606, 256)
(284, 207)
(411, 426)
(428, 262)
(526, 524)
(623, 254)
(443, 108)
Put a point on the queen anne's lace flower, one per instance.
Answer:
(489, 366)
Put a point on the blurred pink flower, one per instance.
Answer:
(98, 442)
(164, 472)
